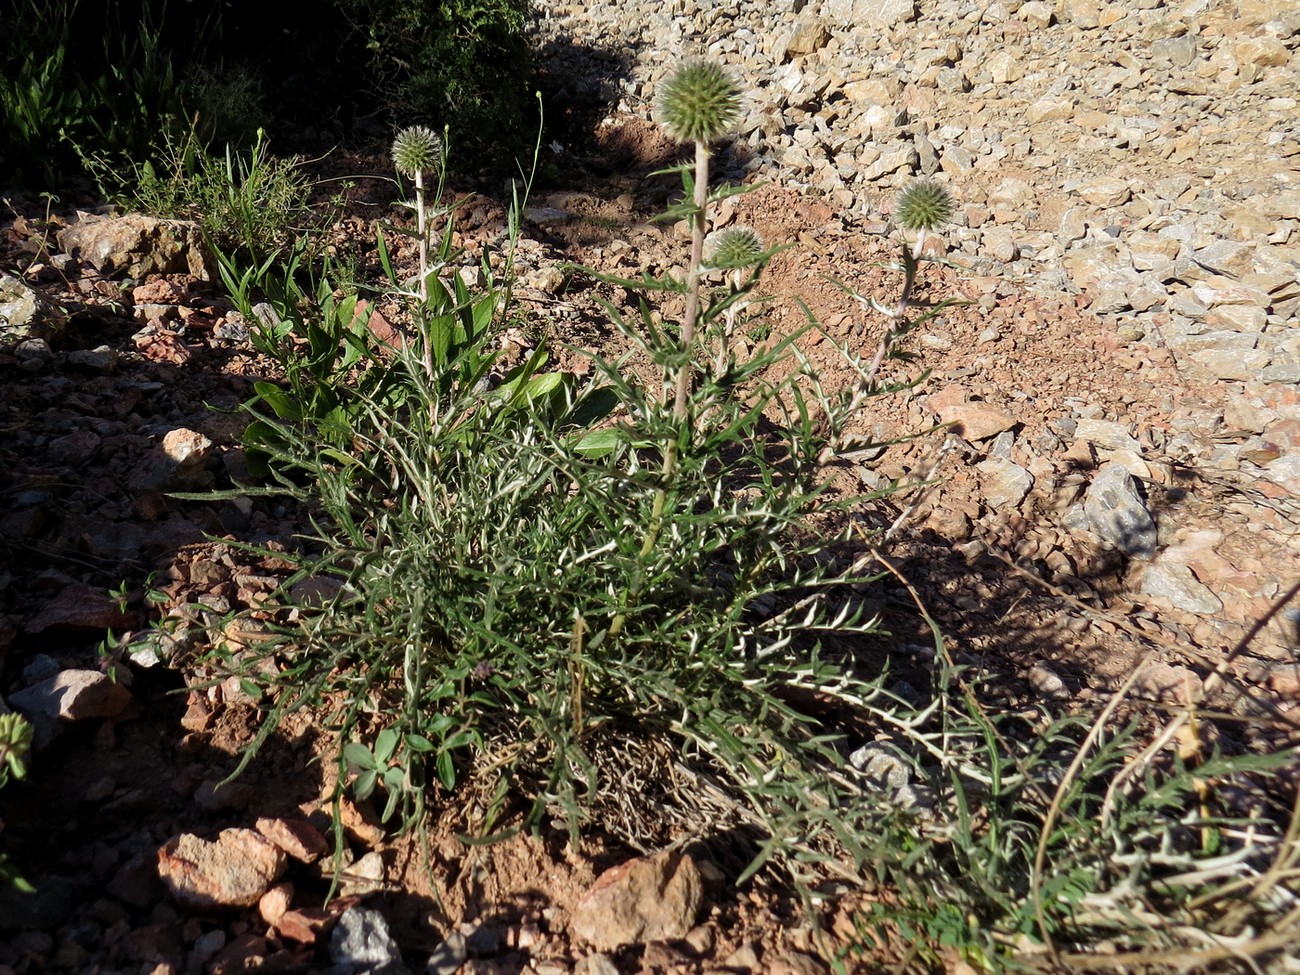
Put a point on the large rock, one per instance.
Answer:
(1106, 434)
(135, 245)
(297, 837)
(179, 463)
(972, 419)
(652, 898)
(363, 943)
(1003, 483)
(73, 695)
(870, 13)
(80, 607)
(25, 313)
(1166, 578)
(1116, 512)
(232, 871)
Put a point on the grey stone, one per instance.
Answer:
(41, 667)
(25, 313)
(1217, 341)
(33, 355)
(1179, 51)
(101, 361)
(1285, 472)
(74, 449)
(1037, 14)
(870, 13)
(953, 81)
(136, 245)
(1106, 434)
(883, 765)
(362, 941)
(1003, 483)
(809, 35)
(1286, 371)
(448, 956)
(1115, 511)
(1047, 682)
(1175, 582)
(1238, 318)
(1231, 364)
(1090, 264)
(544, 215)
(1230, 257)
(73, 695)
(47, 907)
(1105, 191)
(956, 160)
(1113, 291)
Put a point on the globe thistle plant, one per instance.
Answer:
(732, 250)
(925, 205)
(699, 103)
(417, 150)
(922, 207)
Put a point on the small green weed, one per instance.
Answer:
(251, 204)
(15, 742)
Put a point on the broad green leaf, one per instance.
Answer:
(365, 784)
(446, 771)
(598, 443)
(285, 407)
(386, 744)
(358, 756)
(418, 743)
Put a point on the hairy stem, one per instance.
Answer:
(421, 230)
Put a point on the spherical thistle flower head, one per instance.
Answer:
(735, 247)
(698, 103)
(924, 205)
(417, 149)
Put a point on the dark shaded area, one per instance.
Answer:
(116, 81)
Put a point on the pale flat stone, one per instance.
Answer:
(1171, 580)
(1003, 483)
(1106, 434)
(234, 870)
(652, 898)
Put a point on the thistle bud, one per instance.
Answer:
(924, 205)
(735, 247)
(417, 149)
(699, 103)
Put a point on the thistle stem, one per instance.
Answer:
(699, 220)
(423, 234)
(685, 371)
